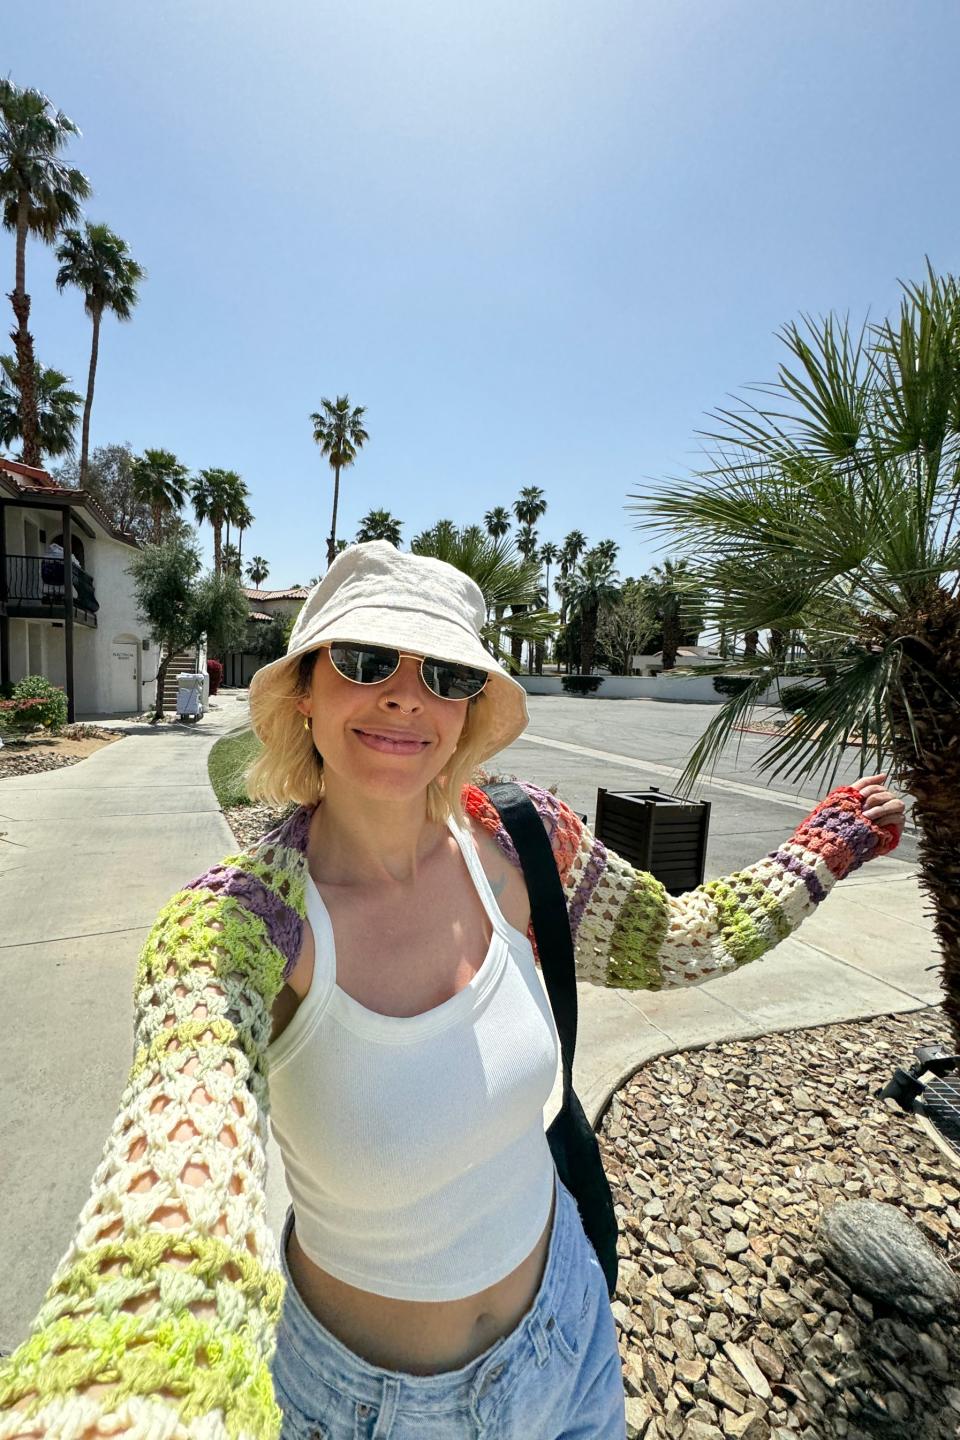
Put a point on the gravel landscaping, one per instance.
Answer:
(730, 1324)
(33, 754)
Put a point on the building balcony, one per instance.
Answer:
(35, 591)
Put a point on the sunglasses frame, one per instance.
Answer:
(401, 655)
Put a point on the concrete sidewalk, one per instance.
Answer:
(88, 854)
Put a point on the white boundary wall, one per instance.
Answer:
(683, 689)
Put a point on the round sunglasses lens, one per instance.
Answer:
(453, 682)
(364, 664)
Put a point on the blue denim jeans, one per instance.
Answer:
(556, 1376)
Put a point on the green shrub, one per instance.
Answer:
(794, 697)
(35, 701)
(581, 684)
(731, 684)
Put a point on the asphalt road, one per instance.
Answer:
(580, 744)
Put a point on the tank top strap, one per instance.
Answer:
(468, 849)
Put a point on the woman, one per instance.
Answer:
(372, 958)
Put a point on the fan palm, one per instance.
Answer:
(216, 495)
(57, 408)
(160, 482)
(549, 554)
(38, 194)
(98, 263)
(675, 597)
(379, 525)
(829, 514)
(504, 577)
(230, 560)
(338, 430)
(587, 589)
(497, 521)
(257, 571)
(243, 518)
(527, 508)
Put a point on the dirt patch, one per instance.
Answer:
(32, 755)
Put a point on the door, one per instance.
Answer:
(124, 676)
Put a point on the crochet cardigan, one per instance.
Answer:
(168, 1297)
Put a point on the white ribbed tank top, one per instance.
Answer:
(414, 1146)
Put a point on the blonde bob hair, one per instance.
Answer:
(289, 768)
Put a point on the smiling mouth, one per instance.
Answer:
(399, 744)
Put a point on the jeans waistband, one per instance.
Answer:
(339, 1366)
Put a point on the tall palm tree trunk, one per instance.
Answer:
(157, 515)
(671, 643)
(332, 542)
(217, 548)
(23, 342)
(88, 403)
(516, 643)
(588, 639)
(929, 769)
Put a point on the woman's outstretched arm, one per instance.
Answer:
(630, 933)
(160, 1318)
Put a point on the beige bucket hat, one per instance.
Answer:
(375, 594)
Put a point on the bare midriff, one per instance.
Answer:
(415, 1336)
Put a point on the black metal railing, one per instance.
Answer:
(36, 582)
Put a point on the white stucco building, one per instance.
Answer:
(96, 648)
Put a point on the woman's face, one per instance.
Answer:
(391, 739)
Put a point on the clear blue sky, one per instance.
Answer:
(538, 240)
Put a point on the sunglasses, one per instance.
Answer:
(372, 664)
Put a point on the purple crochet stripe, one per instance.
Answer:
(589, 880)
(284, 925)
(858, 837)
(806, 874)
(293, 831)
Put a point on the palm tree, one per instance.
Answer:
(676, 599)
(549, 554)
(160, 482)
(831, 514)
(587, 591)
(504, 576)
(527, 508)
(237, 511)
(217, 494)
(57, 408)
(570, 551)
(339, 432)
(379, 525)
(230, 559)
(97, 262)
(243, 519)
(39, 193)
(257, 571)
(497, 521)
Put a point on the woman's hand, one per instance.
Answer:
(880, 806)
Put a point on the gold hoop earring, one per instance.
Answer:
(306, 722)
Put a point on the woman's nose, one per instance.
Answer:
(405, 686)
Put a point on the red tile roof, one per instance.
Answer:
(27, 480)
(299, 593)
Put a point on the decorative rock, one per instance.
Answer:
(735, 1242)
(748, 1426)
(880, 1252)
(639, 1416)
(749, 1369)
(678, 1280)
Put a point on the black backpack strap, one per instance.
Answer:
(548, 911)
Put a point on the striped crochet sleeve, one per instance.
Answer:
(630, 933)
(161, 1316)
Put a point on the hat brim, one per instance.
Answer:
(424, 634)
